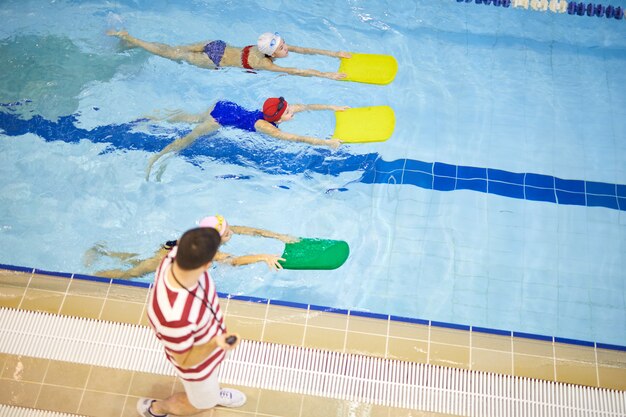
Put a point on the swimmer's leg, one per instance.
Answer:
(175, 53)
(202, 129)
(182, 117)
(99, 250)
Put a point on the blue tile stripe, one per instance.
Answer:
(436, 176)
(525, 186)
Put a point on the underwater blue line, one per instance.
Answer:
(274, 160)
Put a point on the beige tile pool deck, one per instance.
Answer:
(95, 391)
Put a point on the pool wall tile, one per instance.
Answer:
(418, 179)
(52, 273)
(359, 332)
(472, 184)
(610, 347)
(414, 165)
(533, 366)
(449, 355)
(82, 306)
(396, 165)
(17, 268)
(602, 201)
(492, 361)
(574, 186)
(464, 172)
(444, 183)
(285, 333)
(572, 372)
(409, 320)
(491, 342)
(42, 300)
(569, 198)
(540, 194)
(505, 176)
(601, 188)
(245, 308)
(91, 278)
(11, 296)
(407, 350)
(367, 325)
(289, 304)
(122, 311)
(366, 344)
(505, 189)
(537, 180)
(533, 336)
(329, 309)
(49, 283)
(369, 315)
(323, 338)
(444, 170)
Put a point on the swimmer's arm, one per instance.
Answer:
(251, 231)
(313, 51)
(265, 127)
(270, 66)
(313, 107)
(270, 260)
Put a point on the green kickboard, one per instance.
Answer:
(315, 254)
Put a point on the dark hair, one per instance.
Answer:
(197, 247)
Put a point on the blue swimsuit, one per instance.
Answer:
(215, 51)
(230, 114)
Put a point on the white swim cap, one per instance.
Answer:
(268, 42)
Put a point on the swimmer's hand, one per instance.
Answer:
(272, 261)
(119, 33)
(342, 54)
(149, 167)
(340, 108)
(288, 239)
(333, 143)
(335, 75)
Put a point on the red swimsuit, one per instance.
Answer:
(245, 53)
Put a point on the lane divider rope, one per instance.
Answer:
(558, 6)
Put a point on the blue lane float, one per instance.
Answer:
(573, 8)
(373, 169)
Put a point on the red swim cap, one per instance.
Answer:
(273, 108)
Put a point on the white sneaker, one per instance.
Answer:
(143, 408)
(231, 398)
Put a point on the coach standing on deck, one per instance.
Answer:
(184, 311)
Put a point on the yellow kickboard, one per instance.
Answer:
(369, 68)
(364, 124)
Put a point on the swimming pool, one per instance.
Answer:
(499, 201)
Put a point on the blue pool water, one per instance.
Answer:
(499, 201)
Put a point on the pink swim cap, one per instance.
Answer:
(217, 222)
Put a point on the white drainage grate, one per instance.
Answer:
(11, 411)
(310, 371)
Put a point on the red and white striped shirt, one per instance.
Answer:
(182, 320)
